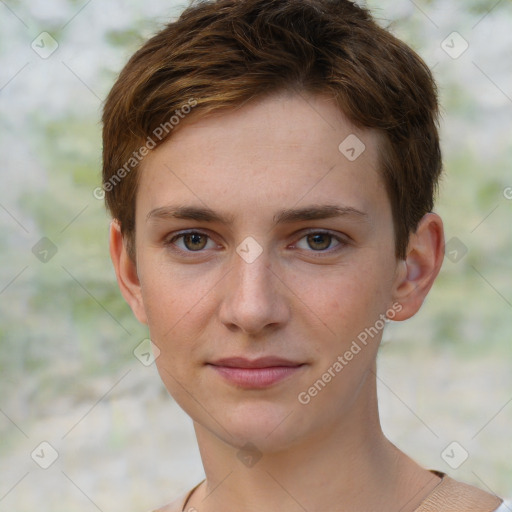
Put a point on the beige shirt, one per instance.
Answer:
(449, 495)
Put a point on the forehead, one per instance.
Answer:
(282, 151)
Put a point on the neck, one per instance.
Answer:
(350, 464)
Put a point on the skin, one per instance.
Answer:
(303, 298)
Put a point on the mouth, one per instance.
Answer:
(257, 373)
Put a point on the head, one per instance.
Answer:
(221, 55)
(296, 143)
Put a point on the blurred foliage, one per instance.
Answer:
(124, 38)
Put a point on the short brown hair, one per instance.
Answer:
(221, 54)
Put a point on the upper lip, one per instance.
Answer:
(261, 362)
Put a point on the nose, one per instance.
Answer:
(253, 299)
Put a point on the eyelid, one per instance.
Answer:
(342, 240)
(169, 241)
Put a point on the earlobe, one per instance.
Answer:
(421, 266)
(126, 272)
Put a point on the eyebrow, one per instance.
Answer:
(287, 215)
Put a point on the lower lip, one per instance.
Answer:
(256, 378)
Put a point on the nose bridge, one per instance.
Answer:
(251, 281)
(251, 300)
(253, 276)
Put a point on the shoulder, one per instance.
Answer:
(451, 496)
(175, 506)
(448, 496)
(178, 505)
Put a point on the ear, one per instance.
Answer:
(126, 272)
(416, 274)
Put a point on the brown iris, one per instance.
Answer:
(194, 241)
(319, 241)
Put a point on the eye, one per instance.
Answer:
(319, 241)
(192, 241)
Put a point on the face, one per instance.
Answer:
(263, 254)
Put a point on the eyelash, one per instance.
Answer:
(341, 242)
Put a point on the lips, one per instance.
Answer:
(256, 373)
(261, 362)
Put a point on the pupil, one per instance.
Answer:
(195, 240)
(320, 239)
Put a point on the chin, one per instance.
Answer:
(266, 426)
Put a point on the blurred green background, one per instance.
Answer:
(68, 374)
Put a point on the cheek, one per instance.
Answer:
(344, 300)
(349, 308)
(168, 296)
(160, 303)
(178, 310)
